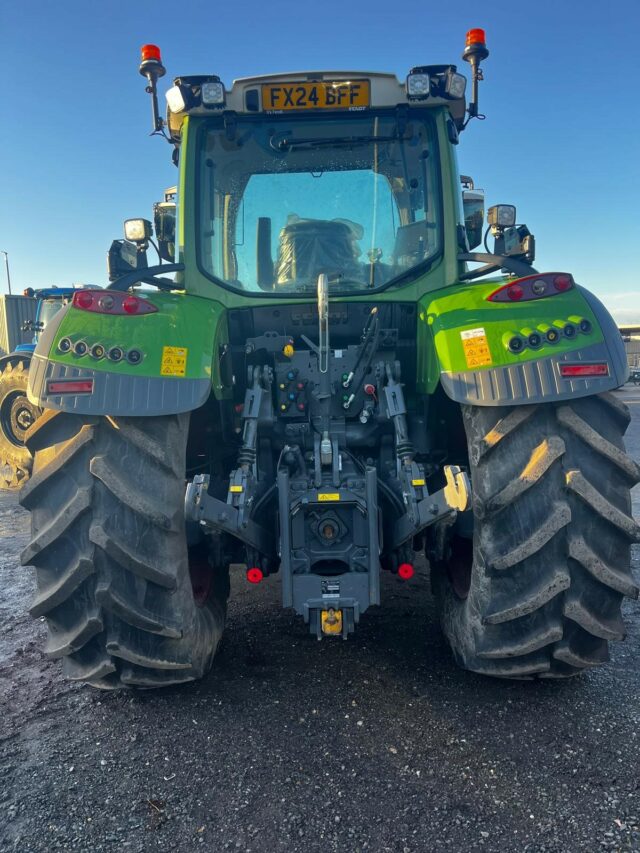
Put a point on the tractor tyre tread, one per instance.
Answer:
(553, 530)
(109, 547)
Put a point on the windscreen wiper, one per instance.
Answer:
(286, 143)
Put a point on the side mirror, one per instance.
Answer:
(123, 257)
(164, 220)
(473, 206)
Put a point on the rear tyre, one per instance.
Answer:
(17, 414)
(109, 547)
(540, 593)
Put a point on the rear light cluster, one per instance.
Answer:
(533, 287)
(112, 302)
(98, 351)
(545, 334)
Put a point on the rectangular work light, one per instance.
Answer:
(212, 93)
(418, 86)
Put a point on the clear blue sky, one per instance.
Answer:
(561, 139)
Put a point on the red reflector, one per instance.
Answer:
(254, 575)
(475, 36)
(77, 386)
(405, 571)
(150, 51)
(584, 369)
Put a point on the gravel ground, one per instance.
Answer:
(376, 744)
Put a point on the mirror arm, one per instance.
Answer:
(492, 263)
(148, 276)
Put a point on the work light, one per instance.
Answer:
(137, 230)
(502, 215)
(176, 99)
(455, 85)
(212, 93)
(418, 86)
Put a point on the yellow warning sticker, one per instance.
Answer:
(174, 361)
(475, 347)
(236, 490)
(329, 496)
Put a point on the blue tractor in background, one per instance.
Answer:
(16, 412)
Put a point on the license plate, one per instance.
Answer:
(341, 95)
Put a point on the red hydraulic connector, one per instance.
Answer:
(405, 571)
(255, 575)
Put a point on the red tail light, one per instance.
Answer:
(515, 292)
(112, 302)
(563, 282)
(579, 370)
(533, 287)
(254, 575)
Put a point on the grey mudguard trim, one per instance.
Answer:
(611, 334)
(114, 394)
(537, 381)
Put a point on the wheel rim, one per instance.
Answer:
(460, 566)
(17, 414)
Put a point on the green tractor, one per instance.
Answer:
(322, 379)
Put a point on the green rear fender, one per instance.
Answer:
(177, 367)
(463, 344)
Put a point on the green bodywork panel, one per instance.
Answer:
(445, 315)
(181, 321)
